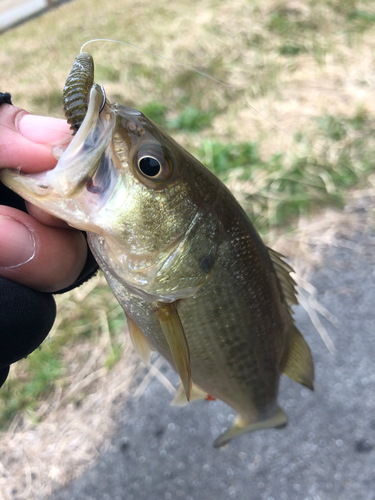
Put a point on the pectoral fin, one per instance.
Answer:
(180, 396)
(240, 426)
(174, 333)
(140, 343)
(298, 363)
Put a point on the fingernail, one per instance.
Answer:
(17, 243)
(44, 130)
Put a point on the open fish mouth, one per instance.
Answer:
(84, 176)
(112, 181)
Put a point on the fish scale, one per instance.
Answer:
(194, 278)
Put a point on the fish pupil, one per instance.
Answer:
(149, 166)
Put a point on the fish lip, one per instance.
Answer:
(62, 192)
(80, 161)
(73, 171)
(126, 109)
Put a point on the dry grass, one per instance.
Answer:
(231, 41)
(50, 444)
(308, 244)
(39, 458)
(241, 43)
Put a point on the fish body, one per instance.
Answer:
(195, 280)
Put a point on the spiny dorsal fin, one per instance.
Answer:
(140, 343)
(174, 333)
(283, 270)
(297, 362)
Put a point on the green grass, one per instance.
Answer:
(284, 186)
(296, 185)
(361, 20)
(191, 119)
(291, 49)
(156, 111)
(44, 369)
(222, 159)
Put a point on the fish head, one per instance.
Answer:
(146, 203)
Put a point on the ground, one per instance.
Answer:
(327, 452)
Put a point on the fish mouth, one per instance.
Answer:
(83, 179)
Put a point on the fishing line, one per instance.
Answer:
(202, 73)
(191, 68)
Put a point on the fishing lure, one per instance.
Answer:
(77, 88)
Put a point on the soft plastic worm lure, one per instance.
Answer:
(77, 88)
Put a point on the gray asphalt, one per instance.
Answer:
(327, 452)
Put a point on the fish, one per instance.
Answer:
(192, 274)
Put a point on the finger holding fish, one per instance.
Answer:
(38, 251)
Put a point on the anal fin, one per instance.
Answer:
(297, 363)
(279, 420)
(174, 333)
(180, 396)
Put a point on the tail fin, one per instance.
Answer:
(278, 421)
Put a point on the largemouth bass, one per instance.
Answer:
(195, 280)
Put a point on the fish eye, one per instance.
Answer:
(153, 163)
(149, 166)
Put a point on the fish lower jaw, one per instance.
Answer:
(29, 186)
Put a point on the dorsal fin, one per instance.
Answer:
(297, 361)
(283, 270)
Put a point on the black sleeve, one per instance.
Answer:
(5, 98)
(26, 316)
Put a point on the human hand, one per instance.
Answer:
(39, 254)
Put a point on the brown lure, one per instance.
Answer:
(76, 90)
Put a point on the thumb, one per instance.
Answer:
(27, 141)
